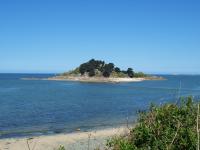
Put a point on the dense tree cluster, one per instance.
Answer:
(97, 66)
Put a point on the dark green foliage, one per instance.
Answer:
(90, 66)
(108, 68)
(83, 68)
(123, 71)
(100, 68)
(92, 73)
(130, 72)
(117, 69)
(169, 126)
(106, 74)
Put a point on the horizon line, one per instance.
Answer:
(155, 73)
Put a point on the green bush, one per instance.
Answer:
(167, 127)
(61, 148)
(139, 75)
(115, 74)
(72, 72)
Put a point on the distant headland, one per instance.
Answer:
(99, 71)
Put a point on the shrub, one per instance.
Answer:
(108, 68)
(61, 148)
(130, 72)
(106, 74)
(92, 73)
(117, 69)
(118, 75)
(139, 74)
(169, 126)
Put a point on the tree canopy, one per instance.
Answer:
(98, 67)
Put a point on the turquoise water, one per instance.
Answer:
(34, 107)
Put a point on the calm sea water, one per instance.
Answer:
(34, 107)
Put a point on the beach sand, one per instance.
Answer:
(96, 79)
(71, 141)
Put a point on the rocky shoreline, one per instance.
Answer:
(96, 79)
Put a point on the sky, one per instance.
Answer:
(52, 36)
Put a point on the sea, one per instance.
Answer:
(41, 107)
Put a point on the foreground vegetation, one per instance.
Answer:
(99, 68)
(166, 127)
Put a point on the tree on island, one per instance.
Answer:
(117, 69)
(100, 68)
(108, 69)
(91, 73)
(130, 72)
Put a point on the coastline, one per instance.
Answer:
(75, 140)
(96, 79)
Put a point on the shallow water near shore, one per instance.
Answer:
(37, 107)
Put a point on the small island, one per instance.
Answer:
(99, 71)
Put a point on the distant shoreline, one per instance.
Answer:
(96, 79)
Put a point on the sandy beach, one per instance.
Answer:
(102, 79)
(96, 79)
(71, 141)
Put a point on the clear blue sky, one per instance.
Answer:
(154, 36)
